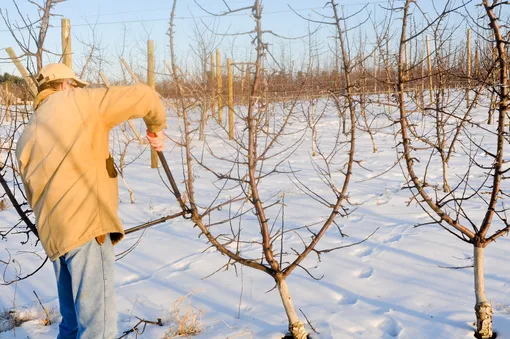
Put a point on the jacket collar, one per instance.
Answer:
(41, 96)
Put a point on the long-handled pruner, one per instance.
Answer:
(170, 177)
(154, 222)
(176, 192)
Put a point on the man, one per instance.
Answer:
(70, 182)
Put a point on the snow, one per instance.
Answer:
(393, 285)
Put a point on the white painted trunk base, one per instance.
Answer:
(483, 308)
(484, 320)
(296, 327)
(298, 330)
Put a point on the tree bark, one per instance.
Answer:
(446, 187)
(296, 327)
(483, 308)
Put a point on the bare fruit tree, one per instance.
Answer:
(451, 210)
(446, 110)
(264, 141)
(35, 31)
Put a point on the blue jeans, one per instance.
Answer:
(86, 292)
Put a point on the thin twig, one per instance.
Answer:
(47, 321)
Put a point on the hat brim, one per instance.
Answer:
(80, 82)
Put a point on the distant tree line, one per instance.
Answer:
(9, 78)
(15, 86)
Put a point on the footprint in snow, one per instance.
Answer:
(347, 299)
(365, 273)
(393, 238)
(363, 251)
(133, 279)
(183, 265)
(385, 197)
(179, 268)
(356, 219)
(391, 327)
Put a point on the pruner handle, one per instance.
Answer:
(170, 176)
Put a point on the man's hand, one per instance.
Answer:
(156, 140)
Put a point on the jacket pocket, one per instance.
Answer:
(110, 167)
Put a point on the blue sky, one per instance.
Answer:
(140, 20)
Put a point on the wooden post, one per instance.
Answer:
(31, 85)
(422, 95)
(133, 75)
(242, 79)
(477, 60)
(213, 88)
(468, 89)
(388, 77)
(247, 80)
(67, 52)
(230, 100)
(375, 71)
(477, 67)
(429, 61)
(151, 81)
(220, 86)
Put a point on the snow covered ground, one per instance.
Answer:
(394, 285)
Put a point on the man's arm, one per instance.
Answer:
(120, 103)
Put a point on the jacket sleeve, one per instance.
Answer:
(22, 159)
(120, 103)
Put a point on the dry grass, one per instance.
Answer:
(3, 205)
(14, 317)
(186, 319)
(10, 319)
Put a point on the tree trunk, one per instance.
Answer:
(446, 187)
(492, 107)
(203, 118)
(344, 123)
(483, 308)
(296, 327)
(362, 100)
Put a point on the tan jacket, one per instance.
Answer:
(62, 155)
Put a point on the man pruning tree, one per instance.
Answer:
(71, 184)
